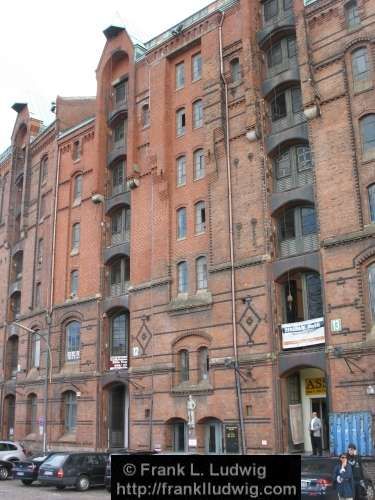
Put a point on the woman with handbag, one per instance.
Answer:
(343, 479)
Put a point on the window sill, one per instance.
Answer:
(181, 185)
(184, 302)
(362, 91)
(68, 437)
(197, 80)
(77, 160)
(182, 238)
(188, 388)
(200, 233)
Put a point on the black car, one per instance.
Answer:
(107, 479)
(5, 469)
(27, 471)
(316, 479)
(81, 470)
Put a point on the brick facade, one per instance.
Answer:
(193, 305)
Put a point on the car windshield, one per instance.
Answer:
(317, 467)
(56, 460)
(39, 458)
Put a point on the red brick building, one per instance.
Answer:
(205, 227)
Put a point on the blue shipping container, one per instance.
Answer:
(353, 427)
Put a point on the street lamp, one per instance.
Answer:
(48, 371)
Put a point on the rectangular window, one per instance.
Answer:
(303, 158)
(199, 164)
(181, 171)
(181, 223)
(117, 178)
(278, 107)
(196, 67)
(74, 283)
(198, 114)
(270, 9)
(283, 167)
(200, 217)
(352, 15)
(296, 99)
(75, 236)
(181, 122)
(76, 150)
(360, 65)
(292, 47)
(371, 197)
(119, 132)
(121, 92)
(77, 188)
(274, 55)
(180, 75)
(35, 352)
(308, 221)
(287, 225)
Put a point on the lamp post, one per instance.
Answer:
(48, 372)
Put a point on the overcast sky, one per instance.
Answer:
(50, 48)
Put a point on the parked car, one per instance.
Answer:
(12, 451)
(27, 471)
(107, 479)
(316, 479)
(5, 469)
(81, 470)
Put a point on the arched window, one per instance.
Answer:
(360, 64)
(145, 115)
(371, 285)
(120, 226)
(119, 276)
(181, 170)
(235, 70)
(201, 270)
(11, 365)
(184, 365)
(77, 191)
(203, 364)
(352, 14)
(371, 198)
(31, 414)
(297, 231)
(76, 236)
(35, 351)
(198, 114)
(199, 164)
(180, 432)
(120, 334)
(302, 293)
(200, 217)
(118, 176)
(73, 341)
(44, 168)
(181, 223)
(182, 273)
(368, 133)
(293, 167)
(180, 121)
(196, 67)
(70, 411)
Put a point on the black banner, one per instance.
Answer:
(212, 476)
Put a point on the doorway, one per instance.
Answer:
(319, 405)
(118, 417)
(213, 438)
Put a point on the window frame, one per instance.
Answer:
(200, 217)
(181, 219)
(72, 340)
(181, 171)
(182, 277)
(371, 199)
(198, 116)
(184, 365)
(196, 68)
(199, 160)
(235, 70)
(145, 115)
(76, 237)
(180, 75)
(201, 270)
(125, 350)
(70, 411)
(44, 169)
(35, 351)
(357, 54)
(74, 283)
(352, 17)
(363, 120)
(181, 122)
(77, 188)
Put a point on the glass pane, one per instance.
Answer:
(308, 221)
(121, 92)
(182, 277)
(278, 107)
(283, 167)
(119, 339)
(198, 114)
(296, 99)
(292, 46)
(197, 67)
(270, 9)
(201, 273)
(288, 4)
(73, 340)
(371, 284)
(212, 438)
(181, 221)
(314, 295)
(274, 55)
(181, 171)
(287, 226)
(116, 273)
(371, 195)
(179, 437)
(352, 15)
(360, 64)
(198, 164)
(180, 75)
(303, 158)
(368, 132)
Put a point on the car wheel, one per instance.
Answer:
(27, 482)
(83, 483)
(370, 493)
(4, 473)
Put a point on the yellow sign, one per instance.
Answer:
(315, 386)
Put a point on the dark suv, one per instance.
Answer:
(80, 470)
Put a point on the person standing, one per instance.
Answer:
(343, 479)
(316, 434)
(355, 463)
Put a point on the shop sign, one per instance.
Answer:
(118, 362)
(303, 333)
(72, 355)
(315, 386)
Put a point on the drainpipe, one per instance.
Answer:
(230, 211)
(49, 311)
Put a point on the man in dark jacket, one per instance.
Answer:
(343, 479)
(355, 462)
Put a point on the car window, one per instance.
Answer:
(12, 447)
(3, 447)
(102, 459)
(318, 466)
(92, 460)
(39, 459)
(56, 460)
(76, 460)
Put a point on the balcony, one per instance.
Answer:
(292, 127)
(119, 197)
(116, 151)
(16, 286)
(118, 298)
(297, 246)
(283, 22)
(117, 249)
(286, 72)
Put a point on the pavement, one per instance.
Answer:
(15, 490)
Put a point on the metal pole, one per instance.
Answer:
(48, 372)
